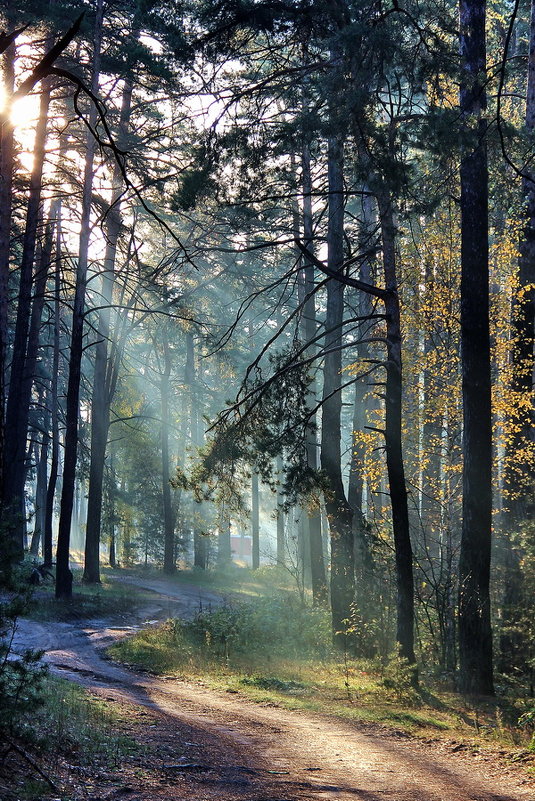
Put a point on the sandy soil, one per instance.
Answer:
(208, 746)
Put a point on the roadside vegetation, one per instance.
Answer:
(88, 600)
(52, 732)
(270, 647)
(69, 738)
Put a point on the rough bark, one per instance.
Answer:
(309, 325)
(102, 389)
(475, 636)
(19, 395)
(339, 513)
(255, 522)
(519, 472)
(393, 439)
(63, 572)
(6, 181)
(54, 410)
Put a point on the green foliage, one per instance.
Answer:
(270, 420)
(259, 630)
(399, 679)
(527, 721)
(280, 627)
(77, 723)
(88, 601)
(194, 185)
(361, 633)
(21, 674)
(289, 687)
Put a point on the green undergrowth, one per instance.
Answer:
(80, 724)
(88, 601)
(70, 733)
(230, 580)
(274, 650)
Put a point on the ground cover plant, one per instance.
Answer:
(69, 737)
(88, 600)
(278, 651)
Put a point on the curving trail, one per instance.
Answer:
(220, 747)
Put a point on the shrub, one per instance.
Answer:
(21, 675)
(399, 679)
(279, 626)
(527, 721)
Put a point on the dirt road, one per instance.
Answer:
(210, 746)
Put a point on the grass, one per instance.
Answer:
(72, 733)
(230, 580)
(274, 651)
(88, 601)
(83, 724)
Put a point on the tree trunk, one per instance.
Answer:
(255, 522)
(54, 411)
(40, 496)
(102, 390)
(355, 493)
(281, 542)
(339, 513)
(112, 512)
(63, 572)
(224, 549)
(519, 474)
(432, 440)
(393, 437)
(6, 182)
(169, 562)
(475, 636)
(200, 547)
(317, 562)
(19, 396)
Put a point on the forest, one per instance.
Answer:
(267, 275)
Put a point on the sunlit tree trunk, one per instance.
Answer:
(6, 182)
(281, 517)
(355, 492)
(475, 636)
(224, 549)
(200, 540)
(309, 325)
(63, 572)
(339, 513)
(19, 395)
(255, 522)
(112, 512)
(393, 438)
(102, 396)
(169, 561)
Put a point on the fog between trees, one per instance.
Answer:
(266, 283)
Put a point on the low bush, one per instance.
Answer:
(279, 626)
(251, 632)
(21, 674)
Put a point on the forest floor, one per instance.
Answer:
(192, 742)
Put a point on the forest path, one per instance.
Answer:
(214, 746)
